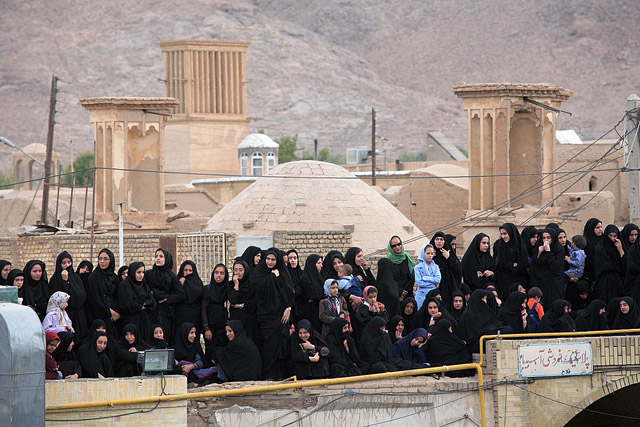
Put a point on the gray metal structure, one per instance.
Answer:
(22, 371)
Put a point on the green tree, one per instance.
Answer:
(83, 166)
(414, 157)
(6, 181)
(288, 148)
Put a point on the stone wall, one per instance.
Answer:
(615, 365)
(61, 392)
(409, 400)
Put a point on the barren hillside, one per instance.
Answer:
(317, 68)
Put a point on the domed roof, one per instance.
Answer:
(314, 196)
(258, 140)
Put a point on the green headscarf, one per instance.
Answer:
(399, 258)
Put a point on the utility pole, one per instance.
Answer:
(373, 146)
(47, 162)
(633, 108)
(315, 149)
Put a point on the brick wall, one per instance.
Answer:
(615, 363)
(61, 392)
(312, 242)
(137, 247)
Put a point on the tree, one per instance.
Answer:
(6, 181)
(83, 167)
(288, 148)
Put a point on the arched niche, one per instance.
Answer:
(525, 159)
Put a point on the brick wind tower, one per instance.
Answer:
(208, 78)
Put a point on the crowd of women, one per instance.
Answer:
(268, 318)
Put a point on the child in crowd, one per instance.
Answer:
(576, 257)
(534, 308)
(371, 307)
(348, 283)
(334, 305)
(427, 273)
(57, 319)
(52, 369)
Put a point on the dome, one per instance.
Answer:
(258, 140)
(314, 196)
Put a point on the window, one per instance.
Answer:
(256, 164)
(244, 164)
(271, 161)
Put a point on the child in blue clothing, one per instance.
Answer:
(347, 283)
(576, 257)
(427, 273)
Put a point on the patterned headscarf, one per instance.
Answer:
(56, 303)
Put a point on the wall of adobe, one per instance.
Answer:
(312, 242)
(410, 400)
(61, 392)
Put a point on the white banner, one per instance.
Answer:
(555, 360)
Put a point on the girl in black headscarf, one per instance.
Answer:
(432, 312)
(308, 352)
(593, 318)
(547, 268)
(375, 348)
(127, 348)
(478, 267)
(330, 265)
(450, 268)
(459, 304)
(411, 348)
(395, 328)
(610, 265)
(451, 241)
(5, 268)
(94, 359)
(213, 311)
(188, 353)
(558, 318)
(593, 233)
(446, 348)
(632, 271)
(387, 287)
(157, 340)
(344, 358)
(166, 289)
(629, 236)
(102, 285)
(136, 302)
(580, 298)
(511, 257)
(190, 310)
(514, 313)
(84, 270)
(479, 319)
(16, 278)
(275, 300)
(242, 300)
(295, 273)
(312, 287)
(355, 258)
(66, 280)
(627, 315)
(35, 291)
(240, 359)
(251, 256)
(409, 313)
(65, 355)
(122, 273)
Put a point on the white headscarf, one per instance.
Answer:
(56, 303)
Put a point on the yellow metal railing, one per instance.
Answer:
(285, 386)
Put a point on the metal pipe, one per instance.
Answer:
(551, 335)
(294, 385)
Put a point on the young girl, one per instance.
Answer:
(189, 355)
(52, 369)
(57, 319)
(427, 273)
(308, 352)
(334, 305)
(371, 308)
(158, 340)
(410, 348)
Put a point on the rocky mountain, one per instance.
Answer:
(316, 68)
